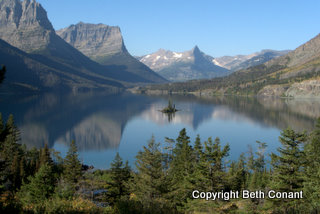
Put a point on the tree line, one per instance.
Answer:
(163, 179)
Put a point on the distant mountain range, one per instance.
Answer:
(181, 66)
(295, 74)
(194, 64)
(25, 26)
(238, 62)
(85, 57)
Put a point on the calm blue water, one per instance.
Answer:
(104, 124)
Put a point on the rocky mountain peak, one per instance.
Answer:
(24, 24)
(94, 40)
(180, 66)
(23, 14)
(196, 49)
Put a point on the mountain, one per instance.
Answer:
(181, 66)
(104, 44)
(25, 25)
(239, 62)
(25, 72)
(296, 74)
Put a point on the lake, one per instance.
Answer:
(103, 124)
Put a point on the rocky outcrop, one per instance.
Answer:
(304, 89)
(104, 44)
(94, 40)
(272, 91)
(25, 25)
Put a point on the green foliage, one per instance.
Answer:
(171, 108)
(72, 166)
(214, 158)
(39, 188)
(120, 174)
(32, 182)
(149, 180)
(181, 170)
(288, 171)
(312, 171)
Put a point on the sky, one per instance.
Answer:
(218, 27)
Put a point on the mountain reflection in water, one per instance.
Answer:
(97, 121)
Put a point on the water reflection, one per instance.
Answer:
(97, 122)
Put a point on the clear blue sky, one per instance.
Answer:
(218, 27)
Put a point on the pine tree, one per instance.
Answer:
(288, 174)
(199, 175)
(2, 136)
(181, 170)
(11, 129)
(258, 177)
(214, 155)
(45, 157)
(15, 172)
(39, 188)
(237, 174)
(148, 180)
(312, 176)
(72, 166)
(10, 153)
(119, 174)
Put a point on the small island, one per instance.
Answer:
(170, 108)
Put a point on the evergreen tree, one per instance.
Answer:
(288, 174)
(119, 174)
(72, 166)
(258, 177)
(148, 181)
(312, 177)
(39, 188)
(45, 157)
(237, 174)
(11, 153)
(199, 177)
(214, 155)
(2, 136)
(181, 170)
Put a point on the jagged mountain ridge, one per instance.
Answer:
(25, 25)
(181, 66)
(239, 62)
(104, 44)
(296, 74)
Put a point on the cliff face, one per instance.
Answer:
(104, 44)
(25, 25)
(94, 40)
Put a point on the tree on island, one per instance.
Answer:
(171, 108)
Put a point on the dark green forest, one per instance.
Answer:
(163, 179)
